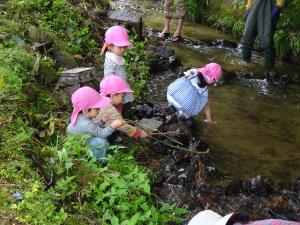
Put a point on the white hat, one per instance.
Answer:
(209, 217)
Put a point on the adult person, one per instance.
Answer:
(209, 217)
(169, 7)
(261, 18)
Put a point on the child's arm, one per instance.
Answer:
(207, 113)
(126, 128)
(84, 125)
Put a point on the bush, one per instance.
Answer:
(195, 10)
(137, 70)
(287, 36)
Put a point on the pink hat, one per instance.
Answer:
(86, 98)
(117, 36)
(113, 84)
(211, 72)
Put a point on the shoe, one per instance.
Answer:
(176, 39)
(164, 35)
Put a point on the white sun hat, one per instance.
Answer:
(209, 217)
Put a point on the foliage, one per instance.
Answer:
(195, 9)
(225, 23)
(238, 28)
(64, 22)
(114, 193)
(287, 37)
(136, 67)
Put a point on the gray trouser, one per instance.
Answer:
(98, 146)
(259, 24)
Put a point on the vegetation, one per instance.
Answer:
(136, 67)
(229, 17)
(46, 176)
(195, 10)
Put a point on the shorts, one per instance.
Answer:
(175, 11)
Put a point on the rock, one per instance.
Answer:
(64, 60)
(226, 43)
(77, 76)
(144, 111)
(129, 19)
(150, 125)
(18, 196)
(163, 58)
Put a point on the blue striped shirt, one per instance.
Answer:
(188, 95)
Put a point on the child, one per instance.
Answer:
(115, 87)
(116, 40)
(189, 94)
(87, 103)
(209, 217)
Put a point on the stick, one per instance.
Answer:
(177, 142)
(178, 147)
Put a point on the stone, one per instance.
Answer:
(77, 76)
(150, 125)
(130, 21)
(69, 90)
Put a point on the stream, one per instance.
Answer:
(256, 137)
(257, 127)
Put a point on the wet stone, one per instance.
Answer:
(150, 124)
(163, 58)
(226, 43)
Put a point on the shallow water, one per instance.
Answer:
(258, 125)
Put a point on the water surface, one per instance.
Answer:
(257, 128)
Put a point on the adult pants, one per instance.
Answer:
(259, 24)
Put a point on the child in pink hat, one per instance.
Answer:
(87, 103)
(117, 42)
(209, 217)
(189, 94)
(115, 87)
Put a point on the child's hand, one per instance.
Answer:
(191, 72)
(105, 118)
(143, 134)
(117, 123)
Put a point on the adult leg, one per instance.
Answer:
(98, 146)
(250, 31)
(168, 4)
(180, 11)
(266, 32)
(178, 29)
(166, 29)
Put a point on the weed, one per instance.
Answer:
(137, 68)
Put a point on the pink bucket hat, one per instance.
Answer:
(113, 84)
(209, 217)
(117, 36)
(211, 72)
(86, 98)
